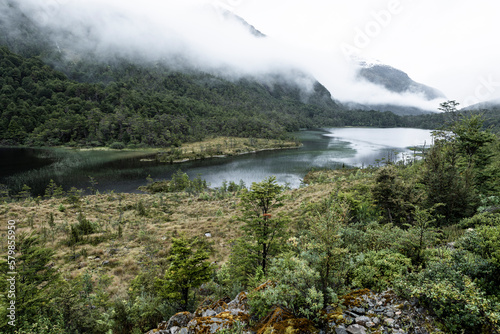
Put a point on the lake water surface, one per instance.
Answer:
(124, 171)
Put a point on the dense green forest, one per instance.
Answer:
(153, 106)
(146, 105)
(120, 263)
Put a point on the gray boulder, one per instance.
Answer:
(356, 329)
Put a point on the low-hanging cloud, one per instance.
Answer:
(198, 33)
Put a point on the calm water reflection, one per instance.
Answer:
(328, 148)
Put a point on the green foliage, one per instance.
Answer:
(420, 236)
(25, 193)
(42, 325)
(93, 185)
(35, 281)
(80, 229)
(117, 145)
(489, 204)
(188, 269)
(263, 233)
(74, 196)
(480, 219)
(180, 182)
(237, 328)
(484, 242)
(224, 283)
(378, 269)
(83, 304)
(53, 190)
(457, 162)
(453, 297)
(395, 195)
(321, 244)
(139, 314)
(85, 226)
(292, 285)
(141, 209)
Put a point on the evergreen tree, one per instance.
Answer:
(188, 269)
(263, 231)
(35, 280)
(323, 245)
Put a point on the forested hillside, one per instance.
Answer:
(154, 106)
(55, 93)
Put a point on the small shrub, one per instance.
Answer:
(141, 209)
(455, 299)
(378, 269)
(84, 225)
(74, 196)
(293, 285)
(117, 145)
(53, 190)
(490, 219)
(52, 223)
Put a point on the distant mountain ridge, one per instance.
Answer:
(396, 109)
(395, 81)
(491, 104)
(230, 15)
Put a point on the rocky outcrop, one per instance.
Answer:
(362, 312)
(368, 312)
(210, 317)
(282, 321)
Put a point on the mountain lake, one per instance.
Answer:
(125, 171)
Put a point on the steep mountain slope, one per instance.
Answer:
(86, 98)
(394, 81)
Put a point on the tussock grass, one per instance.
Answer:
(143, 237)
(222, 146)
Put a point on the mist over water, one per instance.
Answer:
(368, 143)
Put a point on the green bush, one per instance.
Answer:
(455, 299)
(378, 269)
(292, 284)
(479, 257)
(480, 219)
(85, 226)
(117, 145)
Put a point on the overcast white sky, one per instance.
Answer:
(451, 45)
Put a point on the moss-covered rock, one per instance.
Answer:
(282, 321)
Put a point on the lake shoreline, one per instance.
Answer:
(217, 159)
(223, 156)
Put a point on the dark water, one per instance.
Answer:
(18, 160)
(124, 171)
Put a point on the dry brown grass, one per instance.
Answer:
(143, 237)
(224, 146)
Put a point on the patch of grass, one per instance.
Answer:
(144, 237)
